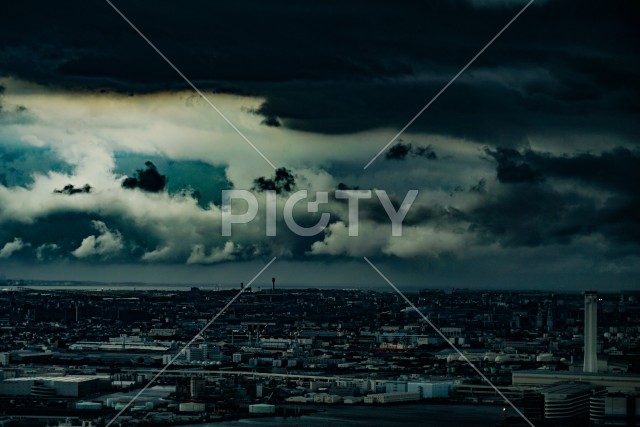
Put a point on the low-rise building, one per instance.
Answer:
(391, 397)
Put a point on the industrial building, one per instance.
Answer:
(430, 390)
(262, 408)
(569, 401)
(615, 410)
(391, 397)
(615, 383)
(192, 407)
(426, 389)
(68, 386)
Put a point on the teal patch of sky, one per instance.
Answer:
(183, 175)
(18, 164)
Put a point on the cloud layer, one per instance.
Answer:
(529, 159)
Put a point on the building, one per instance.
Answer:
(569, 401)
(487, 393)
(68, 386)
(197, 387)
(590, 331)
(319, 397)
(391, 397)
(615, 410)
(396, 387)
(615, 383)
(430, 390)
(192, 407)
(332, 398)
(262, 408)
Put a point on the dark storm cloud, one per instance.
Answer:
(148, 179)
(343, 186)
(70, 190)
(400, 151)
(480, 187)
(614, 170)
(512, 167)
(536, 215)
(282, 182)
(357, 66)
(564, 68)
(529, 211)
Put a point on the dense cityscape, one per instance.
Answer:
(73, 355)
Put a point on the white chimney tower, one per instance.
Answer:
(590, 331)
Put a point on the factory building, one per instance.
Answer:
(68, 386)
(615, 383)
(391, 397)
(569, 401)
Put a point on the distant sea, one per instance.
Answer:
(116, 287)
(164, 287)
(394, 416)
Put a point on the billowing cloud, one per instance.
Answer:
(46, 251)
(11, 247)
(199, 254)
(106, 244)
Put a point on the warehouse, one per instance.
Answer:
(67, 386)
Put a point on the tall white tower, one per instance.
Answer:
(590, 331)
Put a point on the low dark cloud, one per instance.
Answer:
(282, 182)
(148, 179)
(530, 211)
(512, 166)
(271, 122)
(376, 68)
(536, 215)
(70, 189)
(400, 151)
(343, 186)
(480, 187)
(614, 170)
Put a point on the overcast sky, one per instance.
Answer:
(527, 166)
